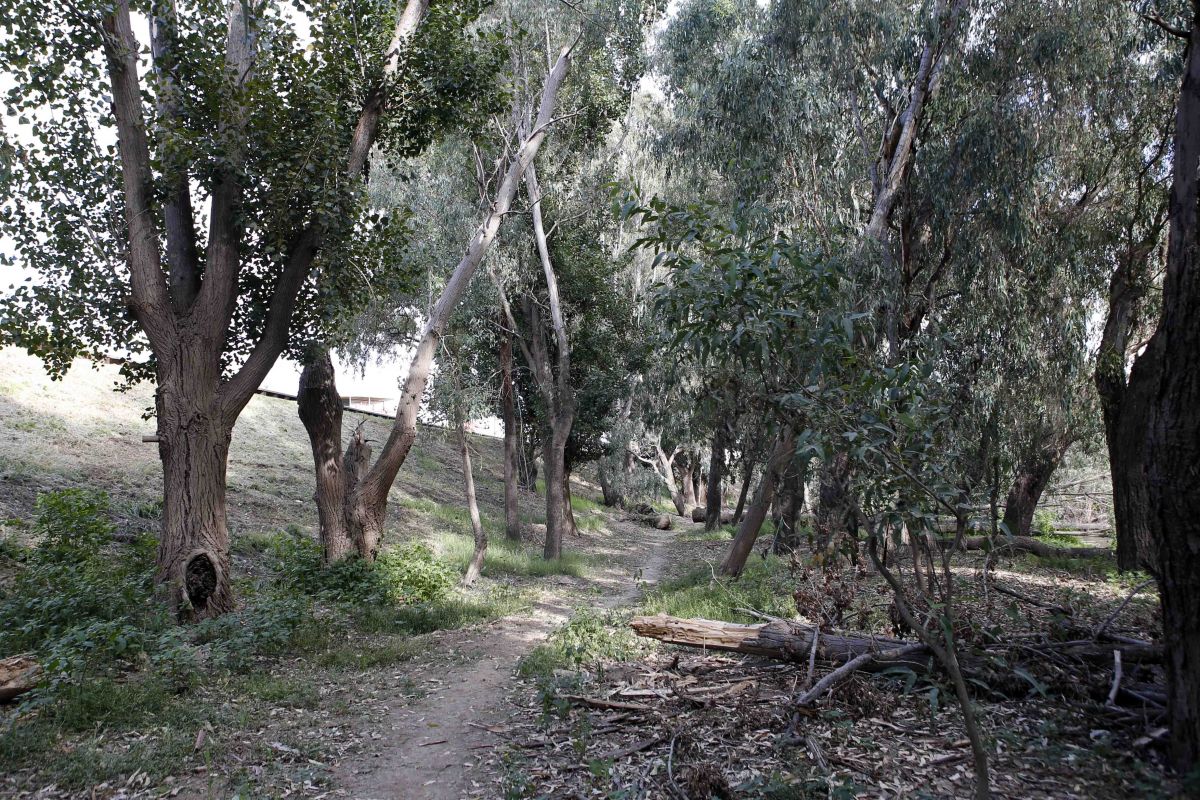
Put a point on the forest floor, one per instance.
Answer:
(493, 692)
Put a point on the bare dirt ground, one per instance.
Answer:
(435, 749)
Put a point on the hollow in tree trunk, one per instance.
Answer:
(193, 444)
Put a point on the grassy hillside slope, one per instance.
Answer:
(79, 432)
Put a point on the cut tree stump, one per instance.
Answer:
(18, 674)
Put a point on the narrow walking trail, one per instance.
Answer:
(432, 749)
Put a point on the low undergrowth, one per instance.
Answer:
(588, 638)
(114, 662)
(763, 586)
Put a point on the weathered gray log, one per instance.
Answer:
(660, 522)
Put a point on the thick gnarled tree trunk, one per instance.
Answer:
(1173, 428)
(1033, 475)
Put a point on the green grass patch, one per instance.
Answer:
(363, 656)
(721, 534)
(508, 558)
(1060, 539)
(587, 639)
(448, 613)
(763, 586)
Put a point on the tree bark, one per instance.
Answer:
(1173, 428)
(792, 641)
(475, 567)
(687, 480)
(320, 409)
(743, 542)
(747, 476)
(193, 444)
(512, 516)
(833, 509)
(791, 500)
(716, 473)
(569, 526)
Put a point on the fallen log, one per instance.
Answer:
(701, 515)
(660, 522)
(1027, 544)
(18, 674)
(792, 641)
(785, 641)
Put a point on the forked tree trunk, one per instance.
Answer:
(687, 483)
(512, 516)
(1173, 428)
(186, 319)
(475, 567)
(716, 473)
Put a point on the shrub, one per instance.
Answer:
(402, 575)
(76, 604)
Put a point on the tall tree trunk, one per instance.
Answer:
(747, 476)
(185, 319)
(481, 542)
(1031, 480)
(833, 508)
(665, 467)
(743, 542)
(1173, 428)
(320, 409)
(553, 459)
(512, 516)
(193, 444)
(791, 499)
(569, 526)
(687, 482)
(716, 473)
(369, 499)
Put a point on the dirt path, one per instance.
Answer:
(432, 749)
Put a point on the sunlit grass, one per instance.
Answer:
(507, 558)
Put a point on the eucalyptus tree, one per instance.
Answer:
(571, 262)
(273, 132)
(364, 503)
